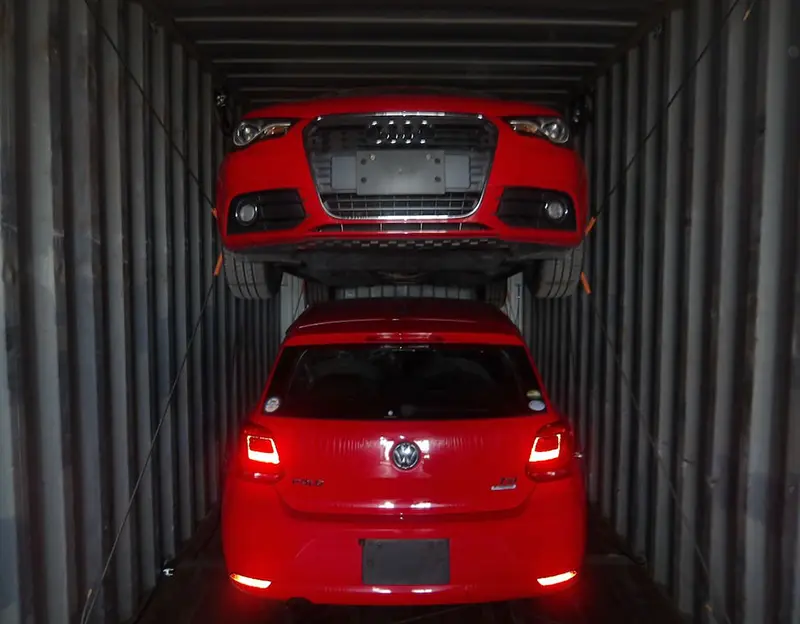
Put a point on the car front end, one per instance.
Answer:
(493, 184)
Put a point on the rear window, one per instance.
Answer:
(394, 381)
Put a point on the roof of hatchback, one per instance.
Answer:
(403, 314)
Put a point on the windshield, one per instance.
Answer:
(394, 381)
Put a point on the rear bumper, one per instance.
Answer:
(498, 557)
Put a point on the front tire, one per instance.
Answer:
(556, 278)
(252, 280)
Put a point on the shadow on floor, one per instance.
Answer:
(613, 589)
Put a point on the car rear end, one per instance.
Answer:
(404, 468)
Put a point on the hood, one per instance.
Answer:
(400, 101)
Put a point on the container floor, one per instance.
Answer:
(614, 588)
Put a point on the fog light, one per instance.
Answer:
(556, 210)
(250, 582)
(246, 214)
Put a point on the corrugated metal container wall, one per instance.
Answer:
(108, 157)
(682, 367)
(293, 300)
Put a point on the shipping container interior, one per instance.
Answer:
(126, 365)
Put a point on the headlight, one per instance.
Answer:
(553, 128)
(251, 130)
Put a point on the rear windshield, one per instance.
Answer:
(394, 381)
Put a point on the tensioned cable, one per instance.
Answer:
(653, 443)
(663, 115)
(132, 77)
(91, 598)
(610, 344)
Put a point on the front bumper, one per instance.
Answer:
(283, 165)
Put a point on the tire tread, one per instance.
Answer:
(558, 277)
(250, 280)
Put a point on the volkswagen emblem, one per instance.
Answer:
(405, 455)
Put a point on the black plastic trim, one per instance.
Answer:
(525, 207)
(279, 209)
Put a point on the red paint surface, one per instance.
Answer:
(518, 161)
(305, 538)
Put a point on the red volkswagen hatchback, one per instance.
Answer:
(404, 452)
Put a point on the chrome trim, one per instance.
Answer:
(478, 116)
(411, 217)
(406, 217)
(405, 113)
(401, 218)
(406, 455)
(506, 483)
(379, 227)
(500, 488)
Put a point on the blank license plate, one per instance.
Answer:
(400, 172)
(406, 562)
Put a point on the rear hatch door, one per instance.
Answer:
(404, 428)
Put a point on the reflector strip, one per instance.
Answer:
(250, 582)
(547, 581)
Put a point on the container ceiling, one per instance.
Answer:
(542, 51)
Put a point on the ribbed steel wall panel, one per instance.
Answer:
(681, 369)
(108, 154)
(686, 373)
(293, 301)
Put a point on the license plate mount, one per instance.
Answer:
(400, 172)
(406, 562)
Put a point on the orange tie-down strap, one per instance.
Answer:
(585, 281)
(218, 268)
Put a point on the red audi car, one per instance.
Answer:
(402, 187)
(404, 452)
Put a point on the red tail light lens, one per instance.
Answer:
(259, 457)
(551, 454)
(546, 448)
(262, 450)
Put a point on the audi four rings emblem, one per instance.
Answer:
(405, 455)
(399, 132)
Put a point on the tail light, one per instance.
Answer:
(552, 452)
(258, 454)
